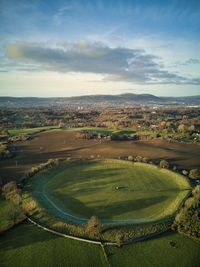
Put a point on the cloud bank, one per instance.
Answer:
(116, 64)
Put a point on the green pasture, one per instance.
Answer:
(157, 252)
(25, 131)
(102, 130)
(85, 188)
(29, 246)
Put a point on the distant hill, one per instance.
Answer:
(146, 99)
(184, 99)
(116, 98)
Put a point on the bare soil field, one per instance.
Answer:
(60, 144)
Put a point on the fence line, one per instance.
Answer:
(61, 234)
(105, 255)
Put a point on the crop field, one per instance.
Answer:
(113, 190)
(60, 143)
(27, 245)
(157, 252)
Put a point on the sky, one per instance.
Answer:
(80, 47)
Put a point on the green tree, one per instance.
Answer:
(130, 158)
(181, 128)
(119, 239)
(194, 174)
(187, 219)
(94, 226)
(191, 128)
(164, 164)
(138, 159)
(12, 192)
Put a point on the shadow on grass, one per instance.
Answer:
(75, 206)
(24, 235)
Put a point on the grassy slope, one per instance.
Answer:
(157, 252)
(26, 246)
(146, 190)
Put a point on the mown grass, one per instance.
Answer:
(87, 188)
(25, 131)
(157, 252)
(29, 246)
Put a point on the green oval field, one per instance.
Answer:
(115, 191)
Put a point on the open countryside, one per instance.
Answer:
(99, 133)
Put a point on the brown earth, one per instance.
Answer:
(59, 144)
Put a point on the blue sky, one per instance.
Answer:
(64, 48)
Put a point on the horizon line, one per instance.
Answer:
(175, 96)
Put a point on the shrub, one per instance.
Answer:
(130, 158)
(94, 226)
(194, 174)
(184, 172)
(12, 192)
(119, 239)
(164, 164)
(42, 166)
(196, 192)
(10, 189)
(145, 160)
(187, 220)
(138, 159)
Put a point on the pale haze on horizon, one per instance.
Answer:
(69, 48)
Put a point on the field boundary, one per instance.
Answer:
(131, 241)
(77, 239)
(69, 236)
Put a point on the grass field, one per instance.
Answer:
(86, 188)
(157, 252)
(94, 129)
(28, 246)
(25, 131)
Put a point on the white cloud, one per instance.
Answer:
(117, 64)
